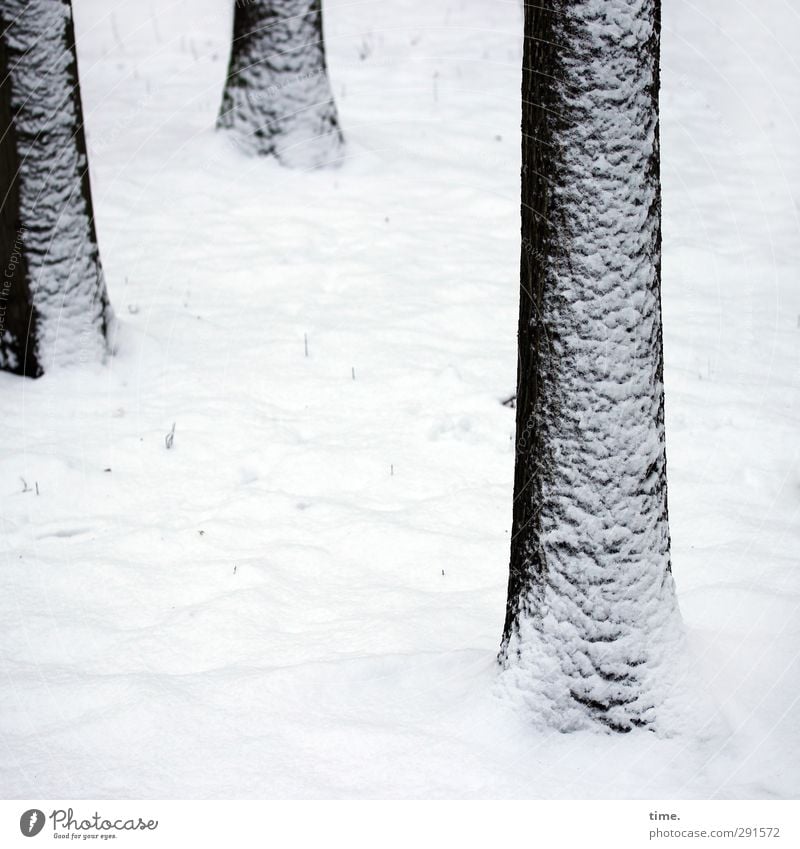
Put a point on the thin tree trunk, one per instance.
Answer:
(55, 202)
(17, 316)
(277, 99)
(591, 617)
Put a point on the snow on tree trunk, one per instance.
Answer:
(17, 318)
(592, 626)
(277, 97)
(55, 205)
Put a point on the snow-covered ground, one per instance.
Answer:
(304, 597)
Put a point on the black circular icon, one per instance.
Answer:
(31, 822)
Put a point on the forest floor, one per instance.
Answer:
(304, 596)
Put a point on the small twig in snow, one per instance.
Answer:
(115, 33)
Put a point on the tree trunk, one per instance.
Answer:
(591, 621)
(59, 241)
(17, 317)
(277, 97)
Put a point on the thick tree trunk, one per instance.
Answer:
(592, 618)
(17, 316)
(55, 205)
(277, 97)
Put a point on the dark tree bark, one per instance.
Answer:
(17, 316)
(59, 244)
(277, 99)
(591, 622)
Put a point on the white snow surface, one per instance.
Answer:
(304, 596)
